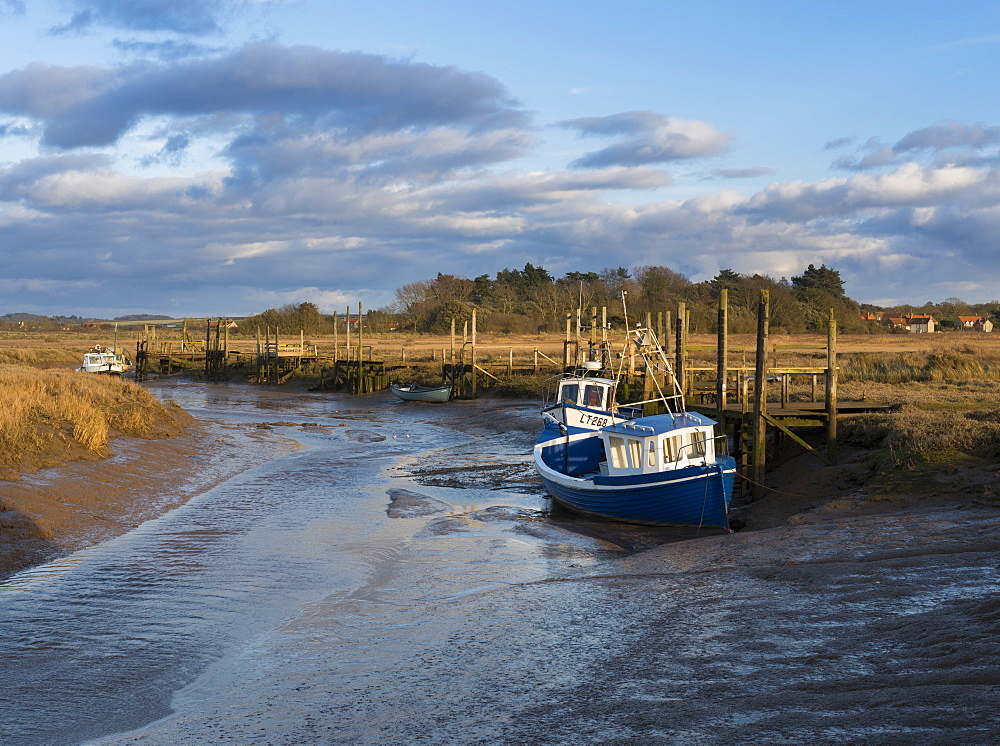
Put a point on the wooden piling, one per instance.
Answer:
(760, 396)
(361, 351)
(831, 388)
(680, 356)
(474, 353)
(347, 342)
(722, 358)
(566, 344)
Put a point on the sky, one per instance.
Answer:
(206, 158)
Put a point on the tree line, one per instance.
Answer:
(531, 300)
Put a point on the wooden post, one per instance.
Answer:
(347, 344)
(260, 369)
(566, 343)
(760, 396)
(722, 358)
(474, 353)
(668, 342)
(452, 359)
(535, 368)
(681, 357)
(831, 389)
(360, 350)
(208, 346)
(579, 318)
(659, 326)
(510, 363)
(593, 330)
(336, 336)
(605, 352)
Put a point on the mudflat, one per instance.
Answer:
(84, 501)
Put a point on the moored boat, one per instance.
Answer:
(660, 469)
(606, 460)
(106, 360)
(410, 392)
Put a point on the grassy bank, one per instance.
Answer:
(48, 416)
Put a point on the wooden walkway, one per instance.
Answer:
(806, 410)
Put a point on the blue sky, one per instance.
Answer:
(203, 158)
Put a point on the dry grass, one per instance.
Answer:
(50, 413)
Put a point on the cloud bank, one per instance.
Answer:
(339, 176)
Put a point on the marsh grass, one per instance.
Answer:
(921, 442)
(42, 410)
(964, 362)
(39, 356)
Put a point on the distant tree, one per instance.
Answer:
(726, 278)
(482, 288)
(824, 278)
(288, 319)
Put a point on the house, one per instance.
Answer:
(869, 316)
(921, 324)
(918, 324)
(893, 321)
(975, 323)
(226, 324)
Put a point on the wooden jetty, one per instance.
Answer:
(760, 406)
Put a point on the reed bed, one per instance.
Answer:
(43, 412)
(39, 356)
(952, 366)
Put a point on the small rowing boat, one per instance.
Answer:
(412, 392)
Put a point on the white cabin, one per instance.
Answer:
(661, 443)
(592, 393)
(101, 362)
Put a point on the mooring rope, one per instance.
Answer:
(770, 489)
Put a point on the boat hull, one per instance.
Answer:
(693, 496)
(407, 393)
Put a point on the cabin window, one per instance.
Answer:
(618, 458)
(569, 392)
(635, 453)
(671, 449)
(593, 397)
(698, 444)
(652, 453)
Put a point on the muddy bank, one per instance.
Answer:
(60, 509)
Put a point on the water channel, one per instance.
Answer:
(389, 572)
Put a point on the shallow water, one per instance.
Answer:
(389, 573)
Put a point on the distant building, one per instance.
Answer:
(922, 324)
(975, 323)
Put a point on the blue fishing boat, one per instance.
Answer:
(606, 460)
